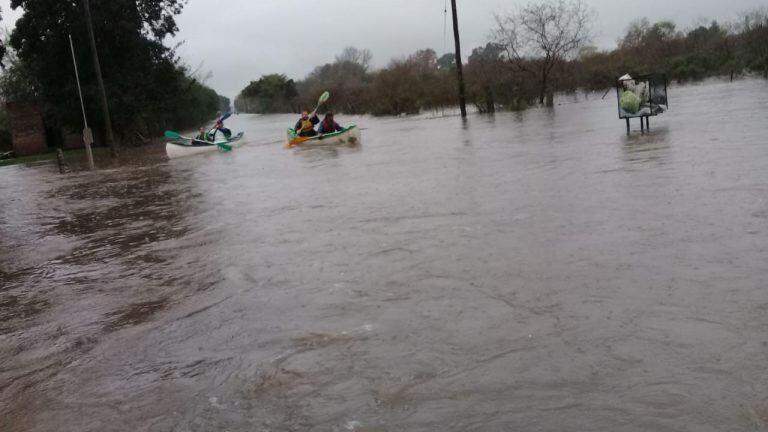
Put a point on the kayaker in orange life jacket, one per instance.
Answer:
(305, 127)
(328, 125)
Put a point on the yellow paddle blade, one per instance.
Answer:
(297, 141)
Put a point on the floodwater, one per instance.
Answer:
(536, 271)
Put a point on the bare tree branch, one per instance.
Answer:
(549, 32)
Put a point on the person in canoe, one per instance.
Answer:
(202, 135)
(328, 125)
(305, 127)
(220, 125)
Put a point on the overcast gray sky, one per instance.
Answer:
(240, 40)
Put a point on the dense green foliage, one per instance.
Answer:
(148, 90)
(270, 94)
(195, 105)
(2, 46)
(16, 82)
(225, 105)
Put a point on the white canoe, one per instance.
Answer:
(188, 146)
(349, 136)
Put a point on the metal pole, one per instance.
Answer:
(104, 105)
(88, 151)
(459, 68)
(77, 77)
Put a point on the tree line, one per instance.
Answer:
(534, 52)
(147, 86)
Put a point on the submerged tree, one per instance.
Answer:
(754, 41)
(491, 81)
(447, 62)
(410, 85)
(347, 79)
(541, 36)
(360, 57)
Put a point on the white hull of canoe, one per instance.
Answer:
(349, 137)
(180, 150)
(177, 151)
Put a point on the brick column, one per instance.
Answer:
(27, 129)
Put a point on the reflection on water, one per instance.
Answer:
(529, 270)
(320, 152)
(653, 146)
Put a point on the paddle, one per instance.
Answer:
(298, 140)
(176, 135)
(215, 127)
(321, 100)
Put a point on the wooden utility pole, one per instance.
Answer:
(103, 92)
(459, 68)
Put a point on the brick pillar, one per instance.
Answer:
(27, 129)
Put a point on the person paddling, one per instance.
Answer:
(305, 127)
(220, 125)
(328, 125)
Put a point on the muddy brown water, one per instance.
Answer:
(536, 271)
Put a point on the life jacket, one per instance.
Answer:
(306, 125)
